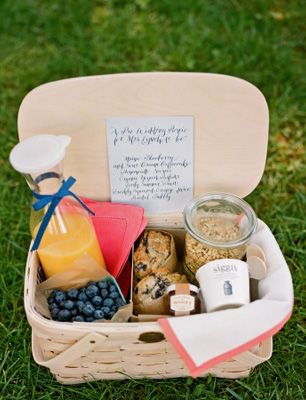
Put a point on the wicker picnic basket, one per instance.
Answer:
(231, 125)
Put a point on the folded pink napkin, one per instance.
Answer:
(117, 227)
(205, 340)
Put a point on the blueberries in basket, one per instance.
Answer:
(108, 302)
(114, 295)
(72, 294)
(104, 293)
(68, 304)
(98, 314)
(92, 291)
(102, 284)
(50, 299)
(82, 296)
(88, 310)
(97, 301)
(52, 306)
(78, 318)
(64, 315)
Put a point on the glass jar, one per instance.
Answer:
(182, 299)
(69, 234)
(218, 225)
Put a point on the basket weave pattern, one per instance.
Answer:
(80, 352)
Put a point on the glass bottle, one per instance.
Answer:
(69, 234)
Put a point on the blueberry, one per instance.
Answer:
(64, 315)
(110, 315)
(80, 304)
(92, 291)
(97, 301)
(89, 319)
(88, 310)
(50, 299)
(82, 296)
(102, 284)
(74, 312)
(54, 313)
(114, 295)
(72, 294)
(78, 318)
(114, 308)
(98, 314)
(108, 302)
(119, 302)
(113, 288)
(91, 283)
(104, 293)
(69, 304)
(59, 297)
(105, 310)
(53, 306)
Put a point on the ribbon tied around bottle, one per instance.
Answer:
(53, 199)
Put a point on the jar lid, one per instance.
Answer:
(220, 220)
(39, 153)
(191, 287)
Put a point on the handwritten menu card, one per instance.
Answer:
(151, 161)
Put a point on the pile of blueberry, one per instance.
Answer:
(97, 300)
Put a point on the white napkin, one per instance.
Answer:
(204, 340)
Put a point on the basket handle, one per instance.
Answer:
(251, 359)
(83, 346)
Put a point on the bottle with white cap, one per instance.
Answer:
(60, 223)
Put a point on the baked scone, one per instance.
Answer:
(147, 296)
(152, 252)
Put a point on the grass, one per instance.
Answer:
(261, 41)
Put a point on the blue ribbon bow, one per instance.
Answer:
(53, 199)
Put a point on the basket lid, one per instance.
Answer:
(230, 124)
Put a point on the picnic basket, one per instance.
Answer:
(230, 134)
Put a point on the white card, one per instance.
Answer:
(151, 161)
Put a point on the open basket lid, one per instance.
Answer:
(230, 124)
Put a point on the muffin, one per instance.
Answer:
(156, 249)
(148, 293)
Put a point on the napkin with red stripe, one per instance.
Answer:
(205, 340)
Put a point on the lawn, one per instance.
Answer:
(261, 41)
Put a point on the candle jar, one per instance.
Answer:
(218, 225)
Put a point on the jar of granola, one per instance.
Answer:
(218, 225)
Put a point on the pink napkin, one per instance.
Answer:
(117, 227)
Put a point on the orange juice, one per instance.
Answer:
(58, 250)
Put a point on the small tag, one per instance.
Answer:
(182, 303)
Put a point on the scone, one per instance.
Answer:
(156, 249)
(148, 293)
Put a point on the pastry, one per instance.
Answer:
(148, 293)
(156, 249)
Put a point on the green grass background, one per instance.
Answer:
(261, 41)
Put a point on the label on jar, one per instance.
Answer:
(182, 303)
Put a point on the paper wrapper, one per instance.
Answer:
(156, 307)
(81, 271)
(171, 262)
